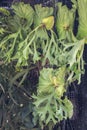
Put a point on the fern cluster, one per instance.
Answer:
(28, 38)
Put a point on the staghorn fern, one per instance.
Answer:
(48, 105)
(48, 109)
(51, 80)
(65, 20)
(82, 12)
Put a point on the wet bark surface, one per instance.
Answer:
(82, 98)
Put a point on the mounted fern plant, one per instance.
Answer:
(82, 12)
(49, 107)
(65, 22)
(28, 38)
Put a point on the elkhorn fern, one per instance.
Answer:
(65, 20)
(82, 12)
(48, 105)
